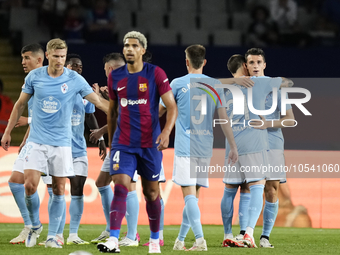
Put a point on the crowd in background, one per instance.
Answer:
(271, 23)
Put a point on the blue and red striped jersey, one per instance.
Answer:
(138, 95)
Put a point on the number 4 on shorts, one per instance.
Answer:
(116, 157)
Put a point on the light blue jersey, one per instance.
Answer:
(275, 136)
(248, 139)
(194, 131)
(81, 107)
(53, 103)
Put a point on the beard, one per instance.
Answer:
(131, 62)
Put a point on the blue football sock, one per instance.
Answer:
(18, 191)
(255, 204)
(194, 215)
(227, 208)
(132, 212)
(185, 225)
(60, 230)
(243, 210)
(50, 192)
(107, 197)
(269, 216)
(33, 205)
(76, 211)
(56, 214)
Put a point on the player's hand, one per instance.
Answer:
(23, 121)
(95, 135)
(96, 89)
(104, 91)
(233, 156)
(259, 124)
(162, 141)
(244, 81)
(102, 150)
(5, 141)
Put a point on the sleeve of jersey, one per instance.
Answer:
(27, 87)
(162, 81)
(275, 82)
(85, 87)
(112, 94)
(174, 91)
(89, 108)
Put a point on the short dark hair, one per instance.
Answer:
(256, 52)
(114, 56)
(196, 55)
(235, 62)
(34, 47)
(69, 56)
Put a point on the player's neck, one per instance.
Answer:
(195, 71)
(136, 67)
(54, 73)
(239, 74)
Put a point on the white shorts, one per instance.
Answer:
(57, 159)
(80, 166)
(106, 168)
(184, 173)
(19, 162)
(276, 159)
(248, 168)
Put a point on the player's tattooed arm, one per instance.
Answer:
(286, 82)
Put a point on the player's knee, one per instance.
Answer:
(30, 188)
(58, 189)
(77, 191)
(150, 194)
(271, 193)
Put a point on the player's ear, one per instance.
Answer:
(264, 65)
(187, 63)
(46, 54)
(40, 60)
(204, 63)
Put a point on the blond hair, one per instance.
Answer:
(56, 44)
(137, 35)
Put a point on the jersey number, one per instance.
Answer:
(116, 157)
(246, 110)
(201, 107)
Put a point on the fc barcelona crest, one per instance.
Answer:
(143, 87)
(115, 167)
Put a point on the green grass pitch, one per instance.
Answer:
(286, 241)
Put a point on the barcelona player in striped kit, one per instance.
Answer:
(135, 136)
